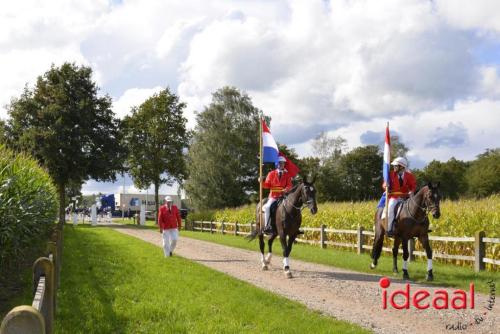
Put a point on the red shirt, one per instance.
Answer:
(168, 219)
(277, 184)
(409, 185)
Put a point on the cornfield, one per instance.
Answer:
(462, 218)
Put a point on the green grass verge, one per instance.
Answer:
(113, 283)
(444, 275)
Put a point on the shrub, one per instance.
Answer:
(28, 208)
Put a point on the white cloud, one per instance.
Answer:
(132, 98)
(464, 14)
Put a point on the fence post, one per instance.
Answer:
(201, 225)
(222, 228)
(44, 267)
(52, 248)
(23, 319)
(323, 236)
(360, 240)
(211, 230)
(411, 249)
(479, 251)
(236, 228)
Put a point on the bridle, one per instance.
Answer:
(426, 208)
(305, 204)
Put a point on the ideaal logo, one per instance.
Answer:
(422, 299)
(440, 299)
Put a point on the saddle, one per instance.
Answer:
(398, 208)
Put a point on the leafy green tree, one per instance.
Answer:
(155, 136)
(69, 128)
(360, 173)
(450, 174)
(328, 183)
(326, 147)
(223, 165)
(309, 167)
(483, 176)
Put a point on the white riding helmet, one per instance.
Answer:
(281, 159)
(168, 199)
(400, 161)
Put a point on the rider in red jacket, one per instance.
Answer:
(279, 181)
(403, 184)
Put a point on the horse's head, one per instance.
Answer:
(432, 198)
(309, 195)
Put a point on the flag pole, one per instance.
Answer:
(387, 186)
(260, 175)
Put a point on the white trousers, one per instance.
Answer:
(392, 204)
(170, 237)
(267, 210)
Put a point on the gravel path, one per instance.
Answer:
(347, 295)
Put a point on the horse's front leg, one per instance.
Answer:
(284, 246)
(395, 250)
(262, 246)
(424, 240)
(406, 255)
(270, 246)
(286, 264)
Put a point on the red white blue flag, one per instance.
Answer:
(269, 146)
(386, 165)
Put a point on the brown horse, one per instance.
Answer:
(288, 220)
(411, 223)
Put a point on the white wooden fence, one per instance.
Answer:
(479, 240)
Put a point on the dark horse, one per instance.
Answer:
(412, 222)
(288, 220)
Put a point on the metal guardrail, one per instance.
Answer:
(479, 240)
(39, 317)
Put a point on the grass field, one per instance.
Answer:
(444, 275)
(113, 283)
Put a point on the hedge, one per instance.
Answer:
(28, 209)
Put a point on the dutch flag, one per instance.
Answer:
(270, 149)
(386, 166)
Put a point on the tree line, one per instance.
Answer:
(72, 131)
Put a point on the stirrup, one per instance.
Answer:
(268, 230)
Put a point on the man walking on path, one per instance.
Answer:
(170, 221)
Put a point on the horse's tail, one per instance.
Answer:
(252, 235)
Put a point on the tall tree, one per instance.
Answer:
(69, 128)
(223, 155)
(326, 147)
(483, 176)
(450, 174)
(155, 135)
(360, 173)
(398, 148)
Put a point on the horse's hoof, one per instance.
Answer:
(372, 266)
(405, 275)
(395, 270)
(265, 267)
(430, 276)
(288, 274)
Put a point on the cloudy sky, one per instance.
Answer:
(430, 68)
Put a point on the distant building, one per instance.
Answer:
(134, 201)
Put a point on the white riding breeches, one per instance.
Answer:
(170, 237)
(392, 205)
(267, 209)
